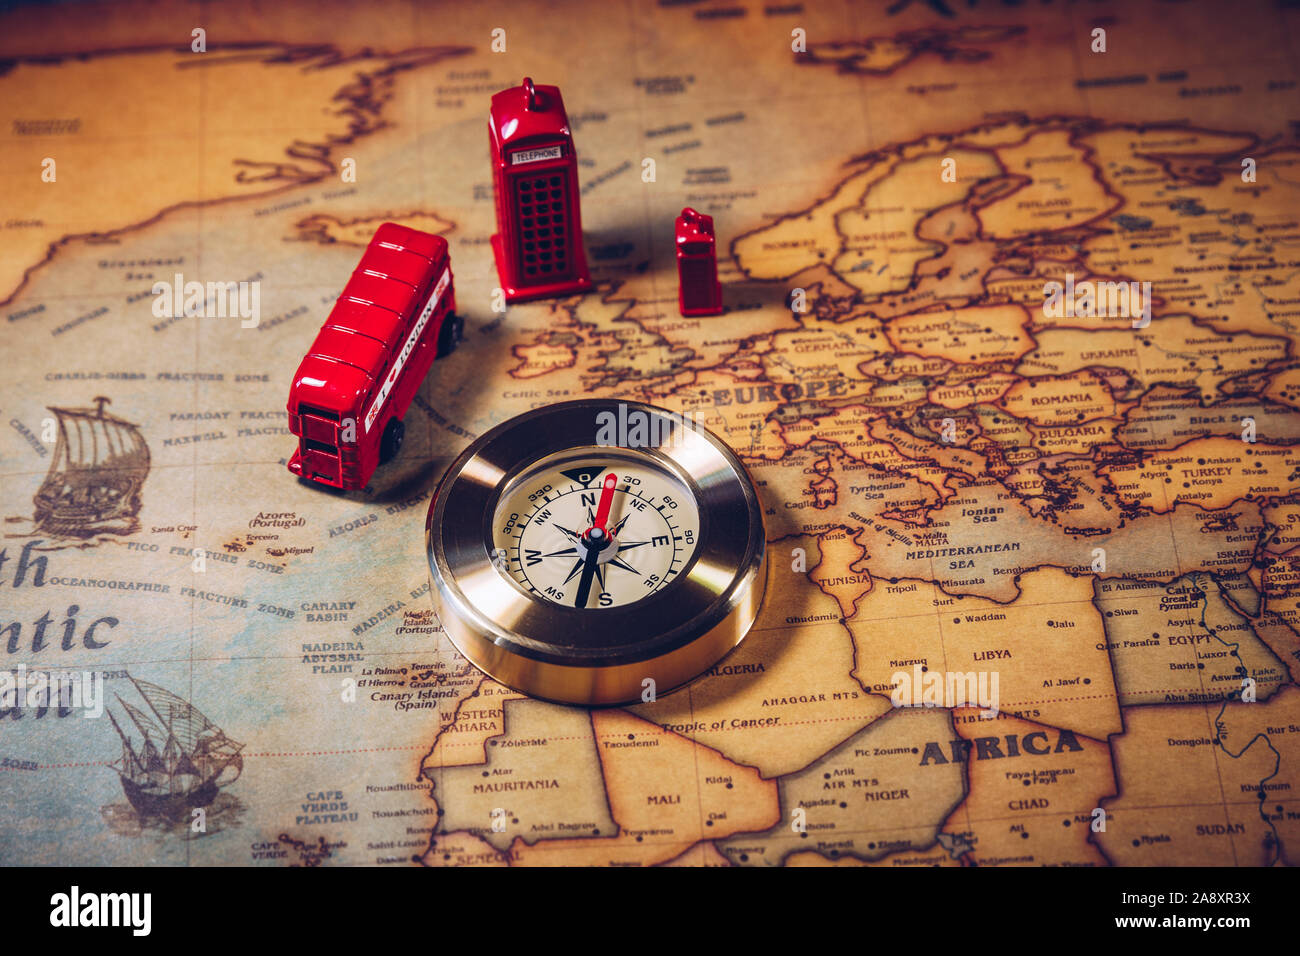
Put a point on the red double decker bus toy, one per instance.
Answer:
(396, 315)
(698, 290)
(538, 245)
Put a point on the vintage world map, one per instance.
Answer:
(1100, 508)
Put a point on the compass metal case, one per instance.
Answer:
(523, 635)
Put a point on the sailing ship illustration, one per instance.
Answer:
(93, 486)
(177, 759)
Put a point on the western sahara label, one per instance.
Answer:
(396, 371)
(521, 156)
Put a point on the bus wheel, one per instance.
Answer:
(449, 336)
(392, 440)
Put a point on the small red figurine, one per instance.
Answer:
(349, 395)
(698, 290)
(538, 245)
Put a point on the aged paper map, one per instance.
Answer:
(1091, 492)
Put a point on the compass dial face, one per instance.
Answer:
(598, 530)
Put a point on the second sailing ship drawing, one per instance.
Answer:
(176, 759)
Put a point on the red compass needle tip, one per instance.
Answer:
(606, 499)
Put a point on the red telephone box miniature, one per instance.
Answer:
(351, 391)
(698, 290)
(538, 245)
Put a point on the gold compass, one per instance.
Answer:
(596, 552)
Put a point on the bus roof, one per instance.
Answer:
(368, 323)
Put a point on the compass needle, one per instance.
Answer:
(589, 564)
